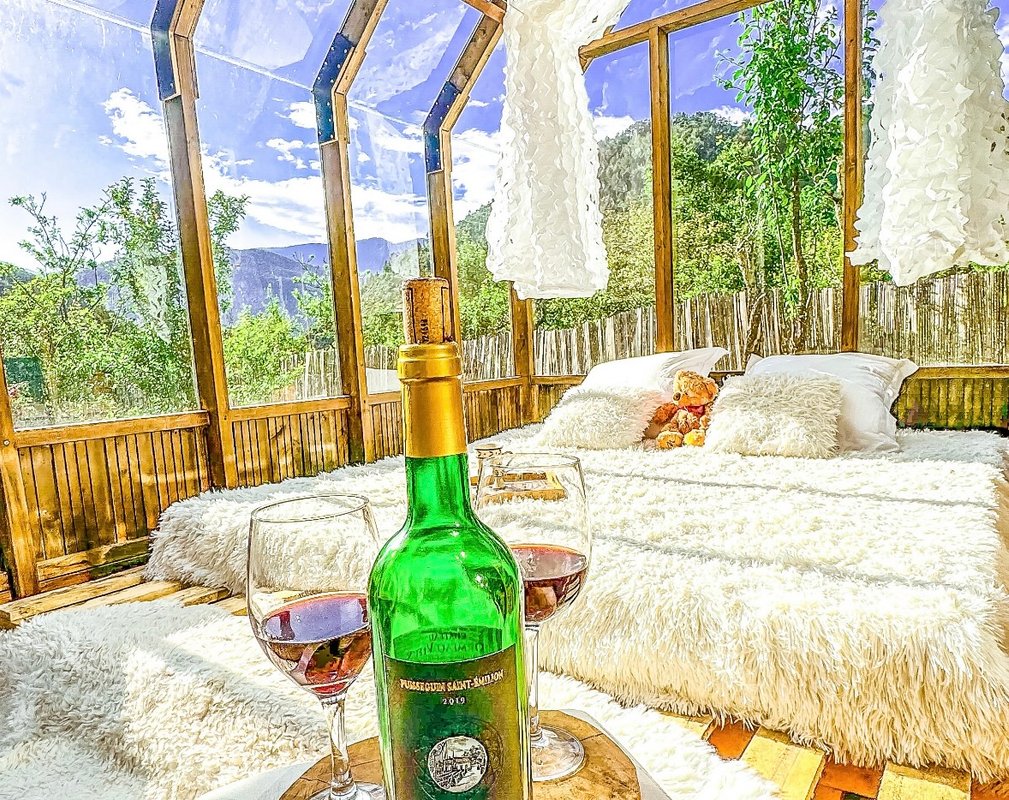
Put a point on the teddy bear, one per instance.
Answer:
(684, 421)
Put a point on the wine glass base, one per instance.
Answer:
(363, 791)
(556, 754)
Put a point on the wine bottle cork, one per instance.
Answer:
(427, 311)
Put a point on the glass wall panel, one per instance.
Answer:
(409, 58)
(572, 335)
(955, 317)
(756, 148)
(485, 303)
(256, 62)
(93, 316)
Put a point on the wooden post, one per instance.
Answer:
(854, 80)
(18, 548)
(662, 191)
(173, 27)
(333, 124)
(438, 152)
(523, 347)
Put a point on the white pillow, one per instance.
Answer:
(652, 372)
(869, 386)
(776, 415)
(600, 419)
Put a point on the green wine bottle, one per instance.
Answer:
(445, 600)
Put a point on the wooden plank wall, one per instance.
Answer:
(490, 408)
(271, 445)
(955, 398)
(96, 491)
(946, 398)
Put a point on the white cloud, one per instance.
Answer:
(302, 114)
(474, 171)
(290, 210)
(138, 127)
(607, 127)
(286, 151)
(292, 206)
(389, 216)
(737, 116)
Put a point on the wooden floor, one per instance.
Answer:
(801, 773)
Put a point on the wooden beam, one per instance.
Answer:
(333, 125)
(19, 610)
(104, 430)
(854, 81)
(438, 154)
(177, 82)
(441, 218)
(346, 289)
(523, 347)
(687, 17)
(662, 191)
(490, 8)
(19, 551)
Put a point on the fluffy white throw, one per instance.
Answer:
(937, 168)
(545, 228)
(858, 602)
(153, 701)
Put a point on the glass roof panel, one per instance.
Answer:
(287, 39)
(138, 12)
(411, 55)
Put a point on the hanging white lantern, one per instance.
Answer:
(545, 228)
(937, 168)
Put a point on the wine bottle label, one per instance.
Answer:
(456, 729)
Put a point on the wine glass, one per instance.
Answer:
(536, 503)
(309, 559)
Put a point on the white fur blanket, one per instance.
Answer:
(153, 701)
(857, 602)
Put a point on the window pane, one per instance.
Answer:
(264, 188)
(574, 335)
(757, 202)
(92, 306)
(484, 303)
(951, 318)
(409, 59)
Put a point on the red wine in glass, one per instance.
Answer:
(322, 642)
(553, 577)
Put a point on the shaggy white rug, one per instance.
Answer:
(857, 602)
(153, 701)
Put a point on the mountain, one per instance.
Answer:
(372, 254)
(264, 273)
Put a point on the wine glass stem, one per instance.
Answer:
(342, 783)
(533, 668)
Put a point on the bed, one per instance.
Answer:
(857, 603)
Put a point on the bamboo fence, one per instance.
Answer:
(960, 319)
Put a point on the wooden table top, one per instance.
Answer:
(608, 773)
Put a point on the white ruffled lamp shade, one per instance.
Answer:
(545, 227)
(937, 168)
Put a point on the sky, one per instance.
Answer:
(79, 106)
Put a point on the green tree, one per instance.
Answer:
(786, 73)
(104, 312)
(258, 350)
